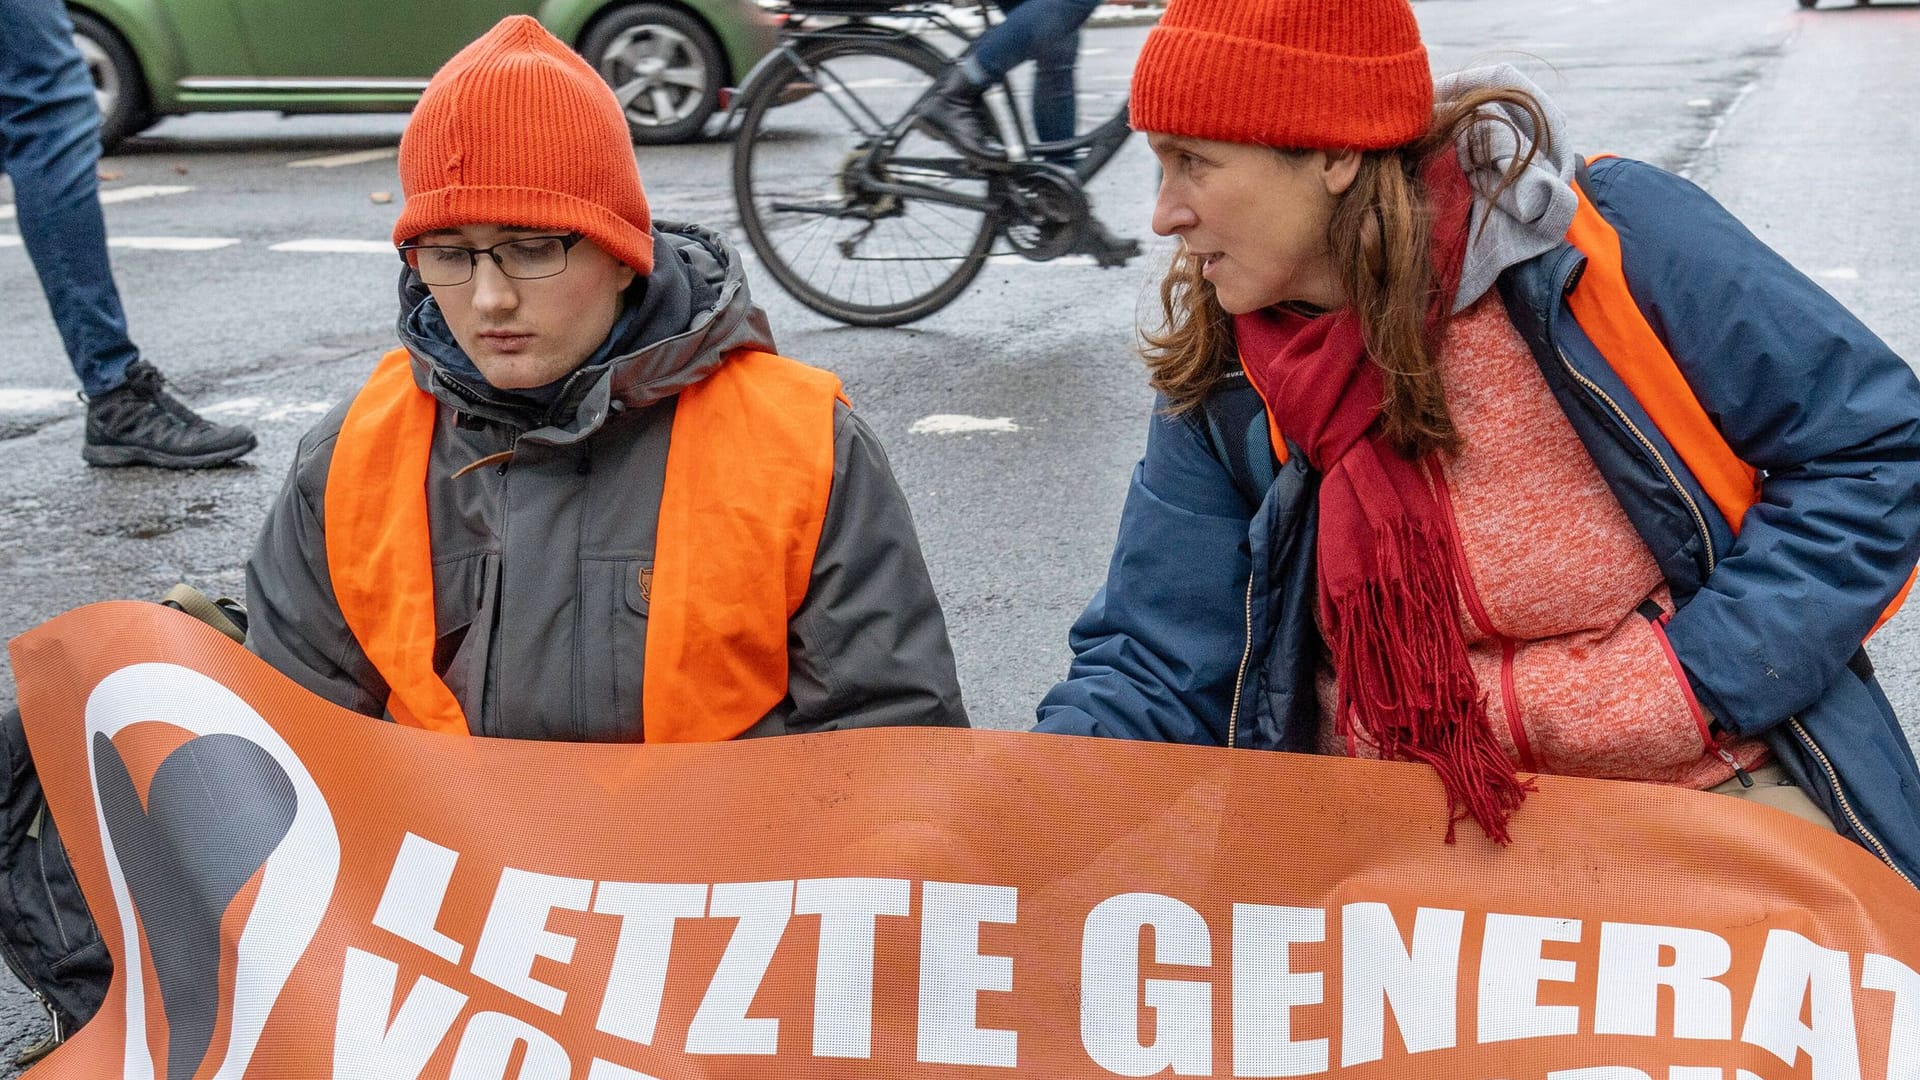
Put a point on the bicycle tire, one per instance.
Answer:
(777, 166)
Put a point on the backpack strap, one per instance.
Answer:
(1605, 307)
(1232, 417)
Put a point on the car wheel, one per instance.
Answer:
(665, 68)
(118, 85)
(1808, 3)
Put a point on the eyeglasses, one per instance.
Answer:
(525, 258)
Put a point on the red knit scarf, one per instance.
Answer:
(1387, 594)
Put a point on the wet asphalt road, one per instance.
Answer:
(1802, 122)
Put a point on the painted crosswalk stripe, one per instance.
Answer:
(268, 411)
(960, 424)
(357, 157)
(1061, 262)
(342, 247)
(153, 243)
(120, 195)
(171, 243)
(17, 399)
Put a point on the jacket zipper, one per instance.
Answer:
(1700, 522)
(1833, 781)
(1470, 598)
(1673, 479)
(1240, 681)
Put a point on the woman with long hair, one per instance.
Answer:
(1474, 453)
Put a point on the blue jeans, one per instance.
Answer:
(50, 148)
(1046, 32)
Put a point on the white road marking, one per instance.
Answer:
(153, 243)
(1062, 261)
(1839, 273)
(33, 399)
(266, 410)
(357, 157)
(170, 243)
(1701, 103)
(1719, 123)
(295, 411)
(340, 247)
(117, 195)
(957, 424)
(143, 191)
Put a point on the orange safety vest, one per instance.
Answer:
(1607, 313)
(749, 469)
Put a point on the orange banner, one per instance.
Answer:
(290, 890)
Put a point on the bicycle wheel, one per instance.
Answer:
(858, 234)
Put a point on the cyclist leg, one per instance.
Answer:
(1030, 28)
(1055, 113)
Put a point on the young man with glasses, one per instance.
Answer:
(585, 500)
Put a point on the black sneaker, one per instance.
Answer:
(139, 423)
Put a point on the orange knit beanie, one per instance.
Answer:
(516, 129)
(1291, 74)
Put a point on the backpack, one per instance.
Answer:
(47, 935)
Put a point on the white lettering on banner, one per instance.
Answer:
(843, 976)
(487, 1049)
(414, 894)
(1266, 989)
(516, 933)
(1377, 969)
(631, 1006)
(607, 1070)
(1132, 1022)
(953, 973)
(721, 1026)
(1511, 971)
(1792, 969)
(1885, 973)
(1627, 1073)
(1111, 990)
(1627, 1001)
(365, 1044)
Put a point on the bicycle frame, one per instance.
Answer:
(1089, 153)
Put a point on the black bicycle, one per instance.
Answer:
(857, 209)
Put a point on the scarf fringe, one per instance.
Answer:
(1406, 686)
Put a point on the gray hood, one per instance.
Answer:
(695, 265)
(1531, 217)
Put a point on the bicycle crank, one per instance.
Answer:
(1046, 209)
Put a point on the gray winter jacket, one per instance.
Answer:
(540, 608)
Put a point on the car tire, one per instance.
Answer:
(665, 66)
(1808, 4)
(119, 85)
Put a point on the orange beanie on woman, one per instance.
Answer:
(1290, 74)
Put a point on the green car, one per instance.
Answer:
(667, 61)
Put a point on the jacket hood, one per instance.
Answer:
(1529, 218)
(680, 323)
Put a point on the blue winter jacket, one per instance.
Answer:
(1204, 630)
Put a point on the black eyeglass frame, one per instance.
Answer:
(567, 243)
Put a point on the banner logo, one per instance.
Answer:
(231, 803)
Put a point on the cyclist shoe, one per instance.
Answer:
(953, 112)
(1107, 249)
(139, 423)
